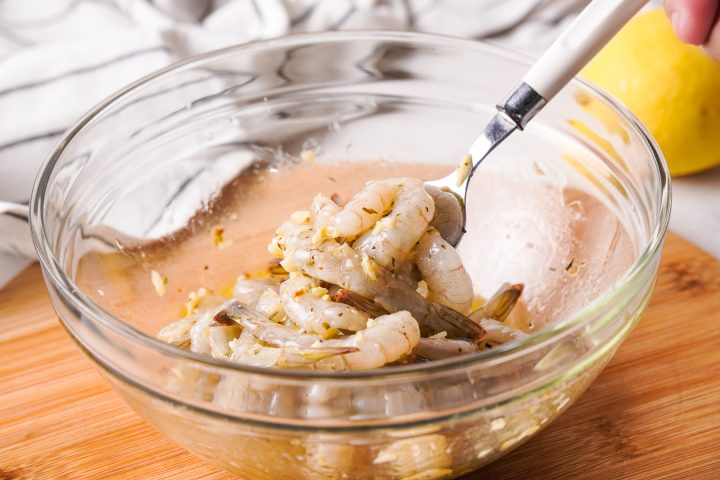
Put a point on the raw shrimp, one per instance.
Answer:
(338, 264)
(270, 305)
(357, 287)
(248, 290)
(200, 331)
(322, 258)
(432, 317)
(261, 327)
(178, 333)
(439, 348)
(499, 306)
(386, 339)
(441, 267)
(498, 333)
(247, 350)
(393, 236)
(323, 209)
(309, 306)
(220, 337)
(362, 211)
(449, 215)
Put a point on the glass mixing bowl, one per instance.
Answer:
(575, 207)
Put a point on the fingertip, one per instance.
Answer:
(691, 19)
(712, 45)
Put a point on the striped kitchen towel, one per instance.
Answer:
(60, 57)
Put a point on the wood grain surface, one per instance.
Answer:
(653, 413)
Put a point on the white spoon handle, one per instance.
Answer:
(590, 31)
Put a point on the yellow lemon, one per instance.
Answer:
(673, 88)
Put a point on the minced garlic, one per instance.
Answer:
(218, 239)
(573, 268)
(319, 291)
(194, 300)
(217, 233)
(330, 333)
(158, 282)
(464, 169)
(319, 235)
(274, 248)
(300, 217)
(370, 267)
(289, 265)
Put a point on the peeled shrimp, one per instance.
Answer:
(393, 236)
(270, 305)
(262, 328)
(309, 306)
(323, 210)
(248, 291)
(338, 265)
(441, 267)
(247, 350)
(178, 333)
(220, 337)
(432, 317)
(200, 331)
(325, 259)
(362, 211)
(386, 339)
(439, 348)
(449, 215)
(498, 333)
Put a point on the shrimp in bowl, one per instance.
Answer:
(359, 286)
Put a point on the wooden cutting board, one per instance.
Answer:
(653, 413)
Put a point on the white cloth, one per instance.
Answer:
(60, 57)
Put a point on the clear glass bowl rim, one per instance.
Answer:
(57, 276)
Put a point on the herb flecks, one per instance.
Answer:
(573, 268)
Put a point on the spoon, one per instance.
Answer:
(579, 43)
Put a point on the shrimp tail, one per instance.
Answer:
(432, 317)
(457, 325)
(300, 357)
(439, 348)
(236, 312)
(358, 301)
(499, 306)
(220, 337)
(319, 353)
